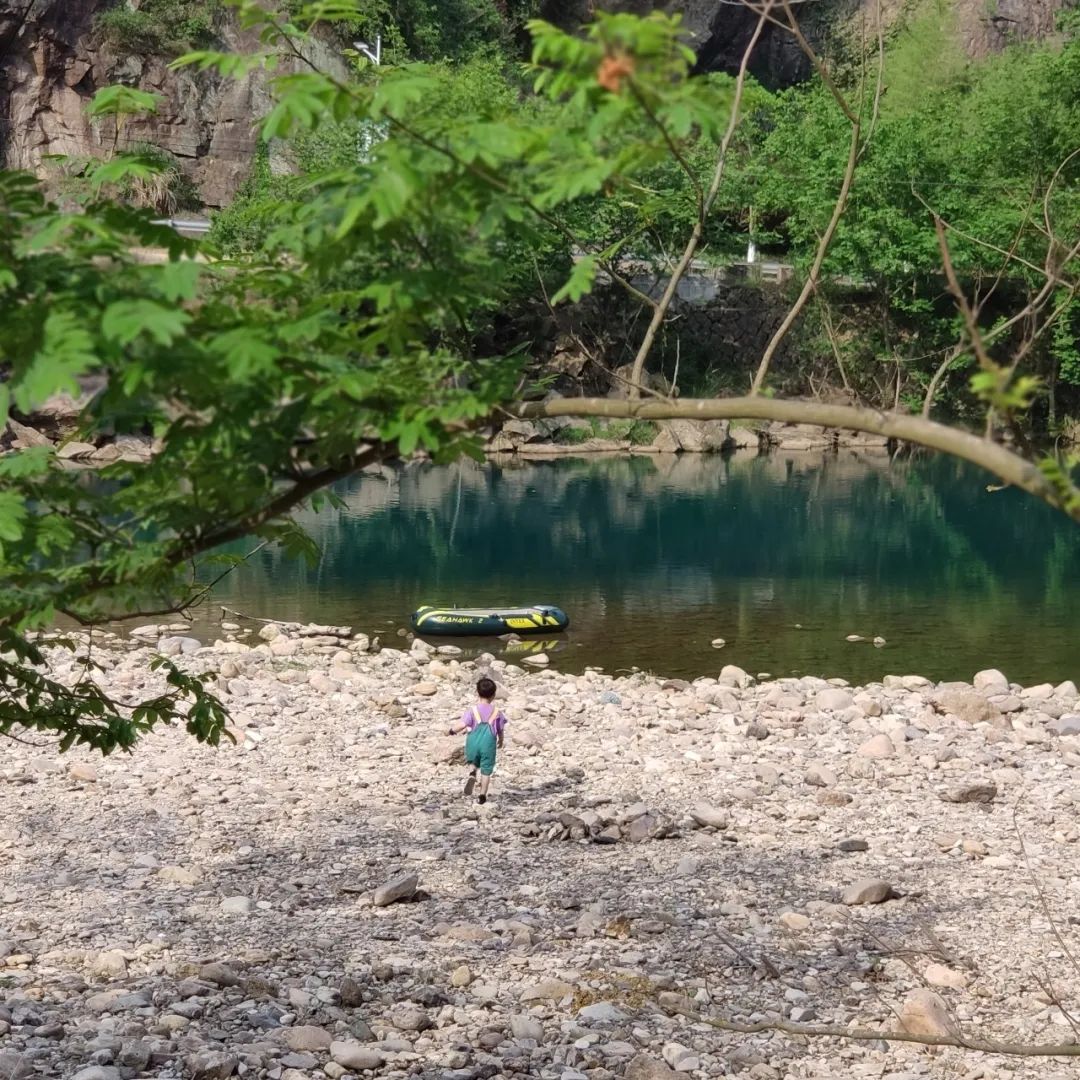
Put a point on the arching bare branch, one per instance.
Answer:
(661, 309)
(815, 269)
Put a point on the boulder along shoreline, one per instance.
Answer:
(320, 899)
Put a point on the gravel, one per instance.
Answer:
(320, 899)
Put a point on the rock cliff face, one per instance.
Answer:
(52, 62)
(720, 30)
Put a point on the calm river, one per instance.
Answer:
(783, 556)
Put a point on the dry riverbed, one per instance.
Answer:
(320, 900)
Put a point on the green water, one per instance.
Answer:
(783, 556)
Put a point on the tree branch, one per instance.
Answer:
(177, 608)
(1050, 271)
(672, 145)
(660, 309)
(939, 374)
(830, 333)
(815, 269)
(971, 323)
(187, 547)
(1041, 893)
(1047, 216)
(856, 149)
(279, 506)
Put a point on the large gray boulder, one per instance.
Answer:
(966, 705)
(700, 436)
(403, 887)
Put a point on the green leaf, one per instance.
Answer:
(67, 351)
(179, 280)
(119, 100)
(127, 167)
(126, 320)
(580, 282)
(408, 439)
(228, 65)
(245, 353)
(33, 462)
(12, 516)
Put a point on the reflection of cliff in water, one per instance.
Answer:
(653, 557)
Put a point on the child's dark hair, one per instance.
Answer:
(485, 688)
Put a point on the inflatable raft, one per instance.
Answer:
(540, 619)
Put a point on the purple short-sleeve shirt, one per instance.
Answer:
(489, 714)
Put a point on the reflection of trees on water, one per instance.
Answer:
(921, 524)
(623, 527)
(653, 554)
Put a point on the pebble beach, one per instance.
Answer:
(319, 899)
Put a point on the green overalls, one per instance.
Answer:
(481, 743)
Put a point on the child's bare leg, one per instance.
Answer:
(485, 783)
(470, 784)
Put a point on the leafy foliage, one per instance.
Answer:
(80, 712)
(636, 432)
(924, 57)
(353, 331)
(169, 27)
(987, 147)
(144, 177)
(435, 30)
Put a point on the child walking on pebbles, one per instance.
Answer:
(485, 725)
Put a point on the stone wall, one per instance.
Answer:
(53, 63)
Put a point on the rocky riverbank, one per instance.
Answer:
(55, 427)
(570, 437)
(319, 900)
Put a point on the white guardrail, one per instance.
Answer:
(185, 225)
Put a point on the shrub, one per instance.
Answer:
(167, 191)
(642, 432)
(165, 27)
(575, 434)
(171, 190)
(636, 432)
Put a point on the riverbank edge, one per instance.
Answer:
(343, 651)
(570, 437)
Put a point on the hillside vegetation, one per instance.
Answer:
(984, 144)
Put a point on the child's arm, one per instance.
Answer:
(465, 723)
(502, 728)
